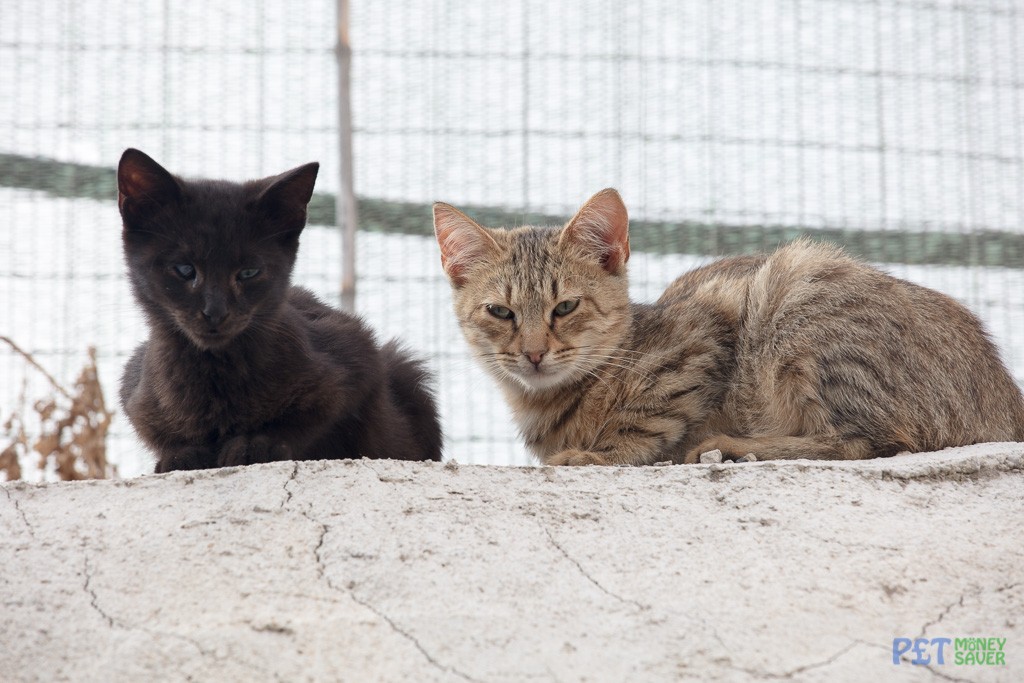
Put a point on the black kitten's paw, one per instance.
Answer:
(245, 450)
(185, 458)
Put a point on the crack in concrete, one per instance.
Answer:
(714, 633)
(377, 474)
(287, 485)
(384, 478)
(946, 611)
(113, 623)
(924, 629)
(93, 598)
(118, 624)
(818, 665)
(590, 578)
(21, 513)
(412, 639)
(322, 575)
(205, 652)
(768, 675)
(316, 551)
(946, 677)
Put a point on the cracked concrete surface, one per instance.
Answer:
(361, 571)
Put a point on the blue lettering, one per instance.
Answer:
(941, 642)
(919, 656)
(899, 646)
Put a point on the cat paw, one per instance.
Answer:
(184, 458)
(575, 458)
(245, 450)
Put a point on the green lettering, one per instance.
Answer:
(979, 651)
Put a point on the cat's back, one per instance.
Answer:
(798, 269)
(817, 293)
(728, 273)
(329, 329)
(314, 310)
(891, 350)
(803, 281)
(812, 285)
(396, 384)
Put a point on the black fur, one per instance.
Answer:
(241, 367)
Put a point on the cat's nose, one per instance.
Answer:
(215, 312)
(535, 357)
(215, 306)
(215, 318)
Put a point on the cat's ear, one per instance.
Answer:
(285, 199)
(601, 229)
(463, 243)
(143, 185)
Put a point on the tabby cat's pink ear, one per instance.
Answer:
(463, 243)
(601, 229)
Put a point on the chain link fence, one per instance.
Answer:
(893, 127)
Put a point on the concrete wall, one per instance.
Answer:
(374, 570)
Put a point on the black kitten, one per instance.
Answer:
(240, 367)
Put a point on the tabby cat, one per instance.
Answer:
(240, 367)
(801, 353)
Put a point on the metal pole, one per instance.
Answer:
(347, 213)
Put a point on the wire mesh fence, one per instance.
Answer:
(893, 127)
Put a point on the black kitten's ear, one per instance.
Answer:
(143, 184)
(286, 197)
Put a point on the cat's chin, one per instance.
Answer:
(211, 341)
(541, 381)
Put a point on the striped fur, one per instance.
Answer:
(802, 353)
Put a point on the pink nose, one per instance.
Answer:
(535, 357)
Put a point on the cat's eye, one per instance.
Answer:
(248, 273)
(500, 312)
(185, 270)
(566, 307)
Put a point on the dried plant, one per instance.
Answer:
(72, 432)
(17, 438)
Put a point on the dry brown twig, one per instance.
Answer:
(73, 427)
